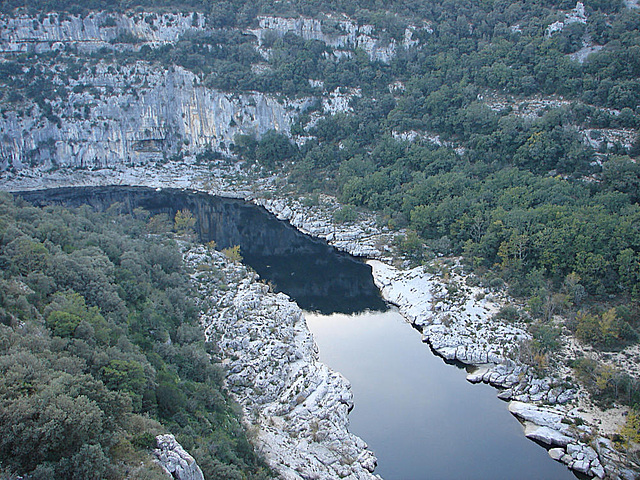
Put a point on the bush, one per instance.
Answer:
(509, 313)
(346, 214)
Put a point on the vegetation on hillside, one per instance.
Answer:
(101, 350)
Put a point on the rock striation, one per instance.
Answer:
(133, 114)
(296, 406)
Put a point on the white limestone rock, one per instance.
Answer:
(547, 435)
(557, 453)
(542, 416)
(297, 406)
(171, 111)
(339, 32)
(175, 460)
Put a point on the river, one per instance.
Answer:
(419, 415)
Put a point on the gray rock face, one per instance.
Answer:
(167, 113)
(132, 114)
(175, 460)
(94, 31)
(341, 33)
(138, 113)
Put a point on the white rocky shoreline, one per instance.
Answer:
(456, 320)
(296, 407)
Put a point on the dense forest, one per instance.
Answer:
(101, 350)
(522, 197)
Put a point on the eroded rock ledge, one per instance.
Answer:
(175, 460)
(296, 407)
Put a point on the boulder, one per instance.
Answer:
(175, 460)
(548, 436)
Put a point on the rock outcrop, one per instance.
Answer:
(296, 406)
(137, 113)
(175, 460)
(95, 31)
(341, 33)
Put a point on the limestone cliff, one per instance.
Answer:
(134, 115)
(341, 33)
(25, 33)
(139, 112)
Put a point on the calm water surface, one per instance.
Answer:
(419, 415)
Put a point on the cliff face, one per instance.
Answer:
(97, 30)
(340, 33)
(134, 115)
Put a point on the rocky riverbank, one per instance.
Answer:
(459, 323)
(295, 407)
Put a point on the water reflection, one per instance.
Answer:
(317, 276)
(420, 416)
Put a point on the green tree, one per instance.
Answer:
(233, 253)
(183, 222)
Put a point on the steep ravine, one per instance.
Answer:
(296, 407)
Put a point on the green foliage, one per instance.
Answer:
(631, 429)
(183, 222)
(273, 149)
(546, 337)
(411, 246)
(88, 303)
(605, 330)
(233, 253)
(607, 384)
(63, 324)
(509, 313)
(346, 214)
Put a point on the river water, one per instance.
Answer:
(419, 415)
